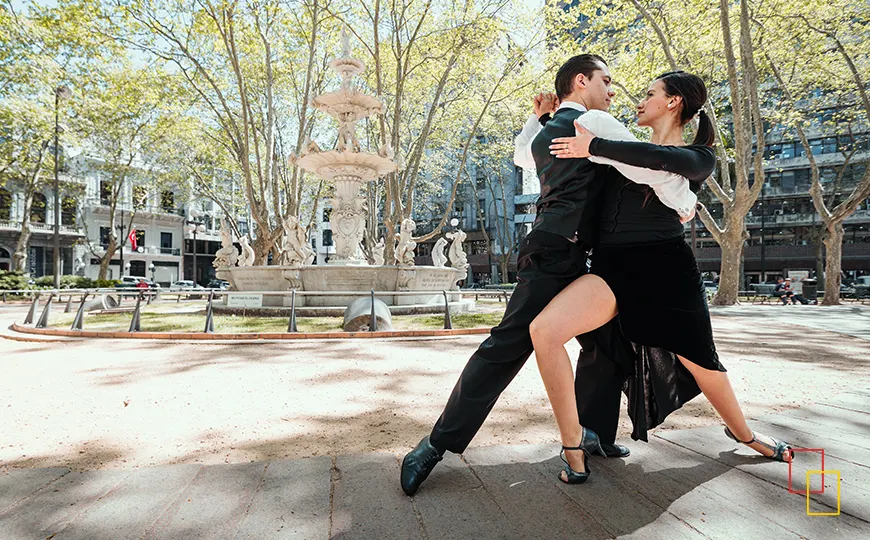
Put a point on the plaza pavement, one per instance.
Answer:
(688, 482)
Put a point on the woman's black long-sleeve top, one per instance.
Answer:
(632, 213)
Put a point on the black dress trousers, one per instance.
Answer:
(547, 264)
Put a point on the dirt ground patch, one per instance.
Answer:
(117, 404)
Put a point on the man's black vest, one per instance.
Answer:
(570, 188)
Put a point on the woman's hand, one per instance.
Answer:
(573, 147)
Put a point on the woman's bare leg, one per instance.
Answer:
(586, 304)
(717, 388)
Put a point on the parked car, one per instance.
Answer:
(218, 284)
(184, 284)
(136, 282)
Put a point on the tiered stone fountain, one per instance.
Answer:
(348, 168)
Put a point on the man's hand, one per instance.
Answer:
(544, 103)
(573, 147)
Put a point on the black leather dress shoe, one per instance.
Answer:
(615, 450)
(417, 465)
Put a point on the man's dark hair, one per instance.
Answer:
(582, 63)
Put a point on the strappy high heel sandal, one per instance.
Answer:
(572, 476)
(779, 450)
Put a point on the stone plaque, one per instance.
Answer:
(245, 300)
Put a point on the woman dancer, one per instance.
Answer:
(639, 232)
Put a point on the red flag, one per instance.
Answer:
(132, 238)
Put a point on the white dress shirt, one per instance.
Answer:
(672, 189)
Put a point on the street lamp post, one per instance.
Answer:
(761, 279)
(61, 92)
(195, 225)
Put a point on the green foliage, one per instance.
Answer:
(66, 282)
(12, 280)
(106, 283)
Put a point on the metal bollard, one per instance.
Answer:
(43, 319)
(291, 324)
(373, 324)
(209, 318)
(80, 314)
(135, 323)
(4, 298)
(448, 322)
(32, 312)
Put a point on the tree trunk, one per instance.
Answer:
(729, 273)
(107, 257)
(833, 258)
(19, 258)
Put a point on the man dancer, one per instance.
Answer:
(552, 256)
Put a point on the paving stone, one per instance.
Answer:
(213, 505)
(368, 501)
(741, 493)
(833, 418)
(130, 510)
(675, 482)
(531, 501)
(804, 434)
(17, 484)
(853, 401)
(617, 506)
(453, 503)
(292, 502)
(58, 504)
(855, 497)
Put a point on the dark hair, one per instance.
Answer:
(582, 63)
(694, 93)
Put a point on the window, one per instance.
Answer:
(167, 201)
(788, 150)
(140, 238)
(802, 179)
(140, 197)
(774, 151)
(327, 214)
(5, 204)
(104, 236)
(166, 242)
(327, 237)
(68, 212)
(816, 146)
(788, 181)
(480, 181)
(829, 145)
(105, 193)
(37, 210)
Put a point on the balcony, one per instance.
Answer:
(174, 214)
(146, 250)
(40, 228)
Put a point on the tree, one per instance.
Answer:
(835, 38)
(439, 67)
(242, 61)
(642, 39)
(126, 115)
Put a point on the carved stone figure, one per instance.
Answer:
(378, 252)
(438, 257)
(295, 250)
(458, 259)
(247, 257)
(406, 247)
(227, 255)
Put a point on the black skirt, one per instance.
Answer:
(663, 311)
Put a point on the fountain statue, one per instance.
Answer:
(347, 167)
(406, 246)
(378, 252)
(227, 255)
(295, 250)
(458, 259)
(439, 259)
(248, 256)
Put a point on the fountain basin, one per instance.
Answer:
(428, 281)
